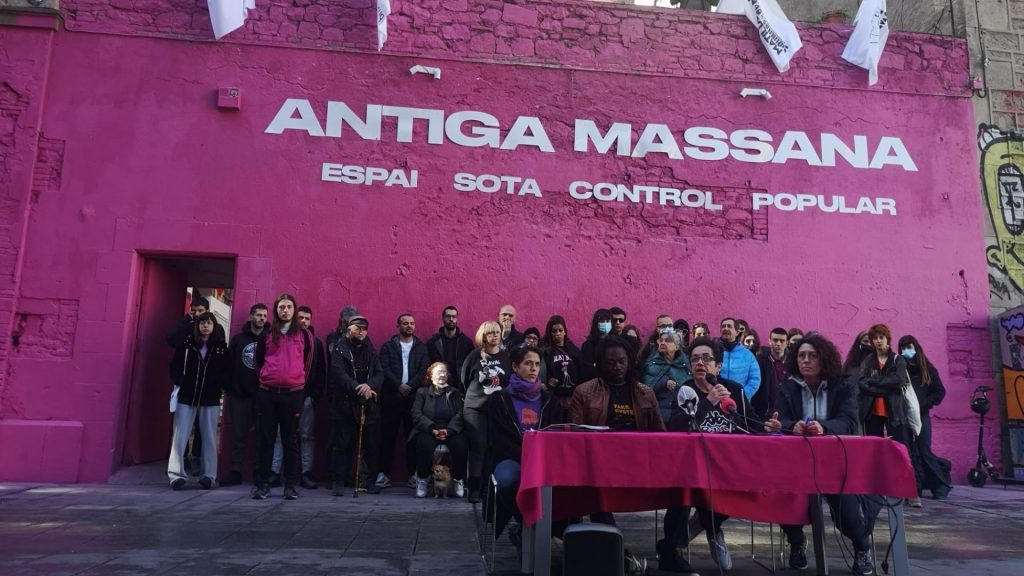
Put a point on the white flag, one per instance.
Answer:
(870, 33)
(778, 34)
(383, 9)
(228, 15)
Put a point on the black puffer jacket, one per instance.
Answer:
(840, 407)
(201, 379)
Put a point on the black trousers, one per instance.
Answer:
(424, 445)
(930, 474)
(278, 411)
(242, 411)
(342, 444)
(676, 519)
(853, 515)
(476, 432)
(395, 423)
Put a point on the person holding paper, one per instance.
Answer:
(200, 367)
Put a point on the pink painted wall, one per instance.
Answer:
(150, 164)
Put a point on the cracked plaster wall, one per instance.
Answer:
(148, 163)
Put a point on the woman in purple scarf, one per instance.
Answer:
(521, 406)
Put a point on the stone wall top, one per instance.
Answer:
(561, 33)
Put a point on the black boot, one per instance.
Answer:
(672, 558)
(474, 489)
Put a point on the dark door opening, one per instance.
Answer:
(168, 284)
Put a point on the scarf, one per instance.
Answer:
(523, 390)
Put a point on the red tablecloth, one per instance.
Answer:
(763, 478)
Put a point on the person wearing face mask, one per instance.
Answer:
(932, 471)
(485, 372)
(860, 349)
(523, 405)
(437, 419)
(600, 327)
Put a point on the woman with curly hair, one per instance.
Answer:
(818, 399)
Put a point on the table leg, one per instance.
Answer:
(536, 558)
(818, 535)
(898, 533)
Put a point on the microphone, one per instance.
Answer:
(711, 378)
(687, 399)
(728, 405)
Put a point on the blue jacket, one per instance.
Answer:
(658, 371)
(740, 365)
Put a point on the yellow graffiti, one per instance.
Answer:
(1002, 159)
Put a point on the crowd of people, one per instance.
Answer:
(467, 402)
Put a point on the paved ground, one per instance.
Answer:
(139, 526)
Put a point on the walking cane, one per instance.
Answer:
(359, 445)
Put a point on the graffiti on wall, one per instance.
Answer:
(1002, 177)
(1011, 330)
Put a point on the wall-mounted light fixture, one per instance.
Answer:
(756, 92)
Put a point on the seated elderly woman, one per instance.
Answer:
(437, 419)
(667, 370)
(718, 406)
(521, 406)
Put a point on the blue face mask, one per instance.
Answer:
(909, 353)
(604, 327)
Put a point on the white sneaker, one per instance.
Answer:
(719, 551)
(382, 480)
(460, 489)
(412, 481)
(421, 489)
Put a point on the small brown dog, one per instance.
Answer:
(442, 481)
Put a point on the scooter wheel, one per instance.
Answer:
(976, 478)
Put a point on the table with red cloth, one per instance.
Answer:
(767, 478)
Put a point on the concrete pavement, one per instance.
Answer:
(140, 526)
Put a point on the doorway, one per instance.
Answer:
(168, 286)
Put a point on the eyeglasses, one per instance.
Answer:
(705, 358)
(619, 320)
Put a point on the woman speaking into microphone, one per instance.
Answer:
(720, 407)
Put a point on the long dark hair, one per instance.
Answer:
(855, 357)
(599, 314)
(920, 358)
(828, 356)
(293, 327)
